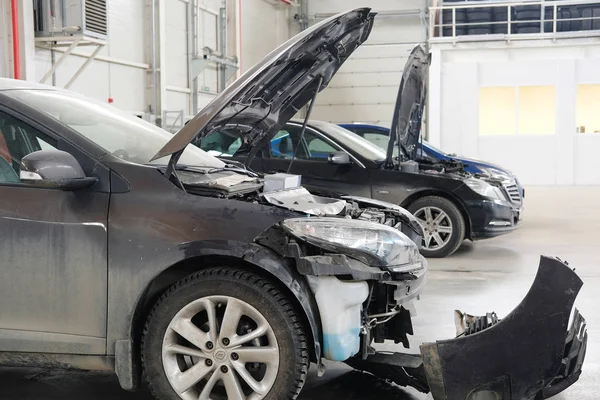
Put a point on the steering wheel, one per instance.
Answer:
(122, 154)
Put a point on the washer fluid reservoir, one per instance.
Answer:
(340, 305)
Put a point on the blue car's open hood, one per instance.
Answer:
(410, 104)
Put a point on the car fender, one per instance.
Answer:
(251, 255)
(282, 269)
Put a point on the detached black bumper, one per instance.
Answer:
(490, 219)
(531, 354)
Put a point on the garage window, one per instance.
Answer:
(517, 110)
(537, 110)
(497, 110)
(588, 108)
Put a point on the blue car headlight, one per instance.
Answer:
(379, 244)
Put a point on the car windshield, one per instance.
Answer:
(351, 141)
(116, 131)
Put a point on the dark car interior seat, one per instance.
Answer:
(7, 173)
(286, 147)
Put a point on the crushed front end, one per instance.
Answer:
(362, 263)
(533, 353)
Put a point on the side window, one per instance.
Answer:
(221, 143)
(17, 140)
(313, 147)
(317, 148)
(282, 146)
(378, 139)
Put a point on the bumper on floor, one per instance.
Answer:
(533, 353)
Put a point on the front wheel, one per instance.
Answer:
(224, 333)
(443, 225)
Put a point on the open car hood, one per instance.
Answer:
(266, 96)
(410, 104)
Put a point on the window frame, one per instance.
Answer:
(519, 105)
(59, 133)
(322, 136)
(330, 143)
(578, 86)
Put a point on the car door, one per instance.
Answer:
(53, 251)
(311, 161)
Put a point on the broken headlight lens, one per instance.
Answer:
(483, 188)
(382, 245)
(495, 173)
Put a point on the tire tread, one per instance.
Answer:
(240, 275)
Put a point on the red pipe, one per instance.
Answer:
(240, 36)
(15, 35)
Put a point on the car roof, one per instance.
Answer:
(15, 84)
(367, 126)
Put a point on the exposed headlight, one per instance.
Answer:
(377, 244)
(495, 173)
(485, 189)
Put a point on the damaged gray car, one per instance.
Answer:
(126, 249)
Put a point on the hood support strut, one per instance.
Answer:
(308, 112)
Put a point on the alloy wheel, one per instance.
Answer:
(437, 227)
(220, 347)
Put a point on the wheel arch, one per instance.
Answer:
(256, 259)
(439, 193)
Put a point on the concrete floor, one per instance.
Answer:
(492, 275)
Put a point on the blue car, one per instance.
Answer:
(378, 135)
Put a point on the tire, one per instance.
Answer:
(500, 16)
(529, 16)
(459, 32)
(257, 304)
(528, 29)
(590, 24)
(480, 31)
(501, 28)
(479, 16)
(461, 17)
(528, 9)
(519, 25)
(452, 240)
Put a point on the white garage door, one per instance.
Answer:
(365, 88)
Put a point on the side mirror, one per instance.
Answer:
(338, 157)
(54, 169)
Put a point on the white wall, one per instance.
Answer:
(563, 157)
(262, 27)
(122, 69)
(107, 76)
(365, 88)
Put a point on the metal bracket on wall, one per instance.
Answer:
(230, 64)
(66, 45)
(178, 120)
